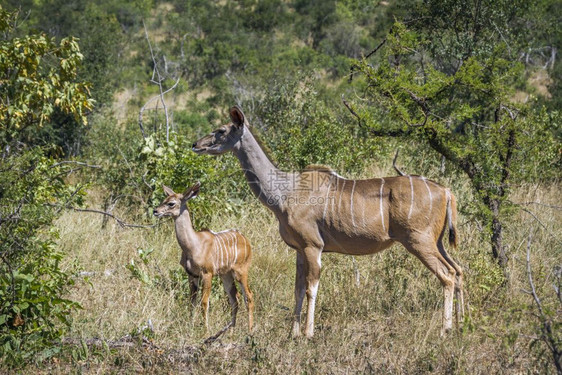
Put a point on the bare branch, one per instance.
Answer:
(157, 79)
(354, 66)
(547, 335)
(394, 164)
(378, 133)
(533, 291)
(538, 204)
(74, 162)
(119, 221)
(351, 111)
(214, 338)
(537, 219)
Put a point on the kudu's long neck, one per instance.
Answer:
(269, 184)
(185, 233)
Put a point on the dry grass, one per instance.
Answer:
(389, 323)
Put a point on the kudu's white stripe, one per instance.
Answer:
(219, 252)
(334, 198)
(215, 268)
(429, 192)
(244, 238)
(235, 240)
(363, 213)
(225, 247)
(326, 200)
(351, 204)
(226, 250)
(380, 205)
(411, 198)
(339, 201)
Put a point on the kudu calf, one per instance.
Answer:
(206, 253)
(320, 211)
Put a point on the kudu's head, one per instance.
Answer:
(171, 206)
(225, 138)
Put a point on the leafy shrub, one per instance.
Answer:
(33, 311)
(39, 83)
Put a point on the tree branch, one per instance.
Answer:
(74, 162)
(119, 221)
(354, 66)
(547, 335)
(394, 164)
(378, 133)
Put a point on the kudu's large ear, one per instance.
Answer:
(167, 190)
(192, 191)
(237, 116)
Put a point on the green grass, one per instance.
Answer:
(389, 323)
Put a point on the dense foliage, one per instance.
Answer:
(38, 79)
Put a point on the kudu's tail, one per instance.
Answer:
(452, 219)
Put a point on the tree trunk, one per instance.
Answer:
(498, 249)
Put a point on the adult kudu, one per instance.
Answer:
(320, 211)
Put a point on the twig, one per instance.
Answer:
(394, 164)
(547, 335)
(158, 82)
(124, 342)
(119, 221)
(533, 291)
(213, 338)
(540, 222)
(366, 57)
(539, 204)
(351, 111)
(74, 162)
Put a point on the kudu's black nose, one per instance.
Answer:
(194, 145)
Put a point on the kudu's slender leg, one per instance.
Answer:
(314, 264)
(230, 289)
(428, 253)
(193, 288)
(458, 281)
(207, 282)
(242, 278)
(300, 290)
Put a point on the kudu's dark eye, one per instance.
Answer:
(171, 204)
(221, 131)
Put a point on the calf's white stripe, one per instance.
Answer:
(380, 205)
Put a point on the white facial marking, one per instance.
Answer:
(351, 204)
(412, 197)
(380, 205)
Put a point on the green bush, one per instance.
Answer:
(33, 312)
